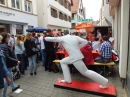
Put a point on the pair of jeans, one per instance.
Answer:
(0, 92)
(50, 56)
(32, 63)
(21, 57)
(13, 86)
(43, 56)
(102, 60)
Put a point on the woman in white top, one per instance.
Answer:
(96, 43)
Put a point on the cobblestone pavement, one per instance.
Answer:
(42, 85)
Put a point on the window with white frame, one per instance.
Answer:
(107, 1)
(27, 6)
(15, 4)
(2, 2)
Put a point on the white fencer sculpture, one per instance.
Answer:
(72, 44)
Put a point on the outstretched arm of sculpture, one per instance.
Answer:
(53, 39)
(82, 42)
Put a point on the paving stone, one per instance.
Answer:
(47, 93)
(42, 85)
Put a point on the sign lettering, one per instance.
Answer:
(6, 13)
(85, 20)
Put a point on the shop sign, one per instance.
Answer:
(6, 13)
(85, 20)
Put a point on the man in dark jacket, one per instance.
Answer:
(49, 51)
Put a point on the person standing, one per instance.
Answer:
(4, 73)
(11, 61)
(11, 42)
(19, 51)
(49, 51)
(31, 55)
(42, 46)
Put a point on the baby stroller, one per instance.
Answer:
(16, 73)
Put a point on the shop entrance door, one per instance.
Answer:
(2, 30)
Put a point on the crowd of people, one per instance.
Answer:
(28, 50)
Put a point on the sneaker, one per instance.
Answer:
(103, 86)
(35, 73)
(16, 88)
(31, 74)
(63, 81)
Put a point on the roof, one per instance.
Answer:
(74, 8)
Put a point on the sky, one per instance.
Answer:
(92, 8)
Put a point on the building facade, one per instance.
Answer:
(120, 13)
(105, 18)
(17, 15)
(54, 14)
(78, 12)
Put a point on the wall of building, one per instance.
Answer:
(120, 29)
(40, 12)
(106, 11)
(18, 17)
(22, 6)
(44, 15)
(13, 16)
(77, 16)
(56, 21)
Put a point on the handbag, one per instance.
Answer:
(34, 47)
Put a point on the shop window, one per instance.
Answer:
(15, 4)
(27, 6)
(2, 2)
(29, 27)
(54, 13)
(73, 25)
(19, 29)
(61, 15)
